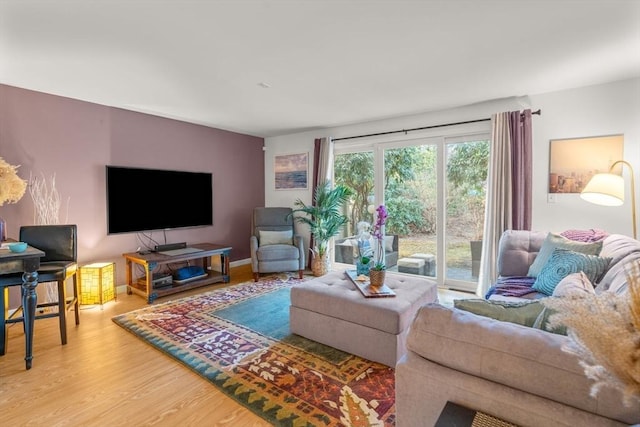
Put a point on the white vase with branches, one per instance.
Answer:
(46, 211)
(46, 200)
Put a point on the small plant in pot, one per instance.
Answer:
(325, 220)
(377, 274)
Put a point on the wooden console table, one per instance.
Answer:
(150, 261)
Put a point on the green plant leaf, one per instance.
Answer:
(324, 218)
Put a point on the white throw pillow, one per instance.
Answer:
(388, 243)
(276, 237)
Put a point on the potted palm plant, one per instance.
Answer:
(325, 219)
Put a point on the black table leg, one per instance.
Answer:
(4, 302)
(29, 302)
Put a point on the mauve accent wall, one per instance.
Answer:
(48, 134)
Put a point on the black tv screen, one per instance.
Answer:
(153, 199)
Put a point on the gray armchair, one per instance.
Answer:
(274, 245)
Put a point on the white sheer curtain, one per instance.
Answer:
(324, 160)
(498, 206)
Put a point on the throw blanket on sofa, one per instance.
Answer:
(512, 286)
(587, 236)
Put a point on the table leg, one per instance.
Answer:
(151, 295)
(224, 258)
(4, 299)
(29, 302)
(129, 275)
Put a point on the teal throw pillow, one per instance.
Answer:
(563, 263)
(520, 312)
(556, 241)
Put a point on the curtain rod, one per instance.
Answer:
(538, 112)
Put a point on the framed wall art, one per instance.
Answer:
(572, 162)
(292, 171)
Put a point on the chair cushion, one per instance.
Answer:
(275, 237)
(388, 243)
(50, 271)
(277, 253)
(56, 270)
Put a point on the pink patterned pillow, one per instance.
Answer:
(587, 236)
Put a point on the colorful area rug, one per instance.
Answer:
(238, 338)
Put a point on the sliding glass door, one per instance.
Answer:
(465, 175)
(410, 195)
(434, 191)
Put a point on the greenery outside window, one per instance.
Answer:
(434, 191)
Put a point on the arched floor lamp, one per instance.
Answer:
(607, 189)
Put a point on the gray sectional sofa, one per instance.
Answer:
(508, 370)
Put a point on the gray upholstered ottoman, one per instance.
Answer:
(330, 310)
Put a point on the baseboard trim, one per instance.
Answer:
(240, 262)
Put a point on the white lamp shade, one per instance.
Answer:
(604, 189)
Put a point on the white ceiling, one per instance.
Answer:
(327, 63)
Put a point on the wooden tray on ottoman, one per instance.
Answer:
(368, 291)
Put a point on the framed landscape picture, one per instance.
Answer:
(291, 171)
(572, 162)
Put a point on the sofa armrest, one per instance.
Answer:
(253, 247)
(298, 241)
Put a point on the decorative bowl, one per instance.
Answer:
(18, 247)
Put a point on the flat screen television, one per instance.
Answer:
(154, 199)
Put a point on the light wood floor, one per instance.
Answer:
(106, 376)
